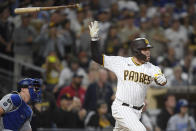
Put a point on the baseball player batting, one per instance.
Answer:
(134, 75)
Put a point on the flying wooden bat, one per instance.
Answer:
(37, 9)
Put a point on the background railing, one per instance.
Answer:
(8, 80)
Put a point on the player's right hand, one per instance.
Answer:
(94, 30)
(160, 79)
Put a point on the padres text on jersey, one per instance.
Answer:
(137, 77)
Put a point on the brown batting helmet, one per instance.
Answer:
(137, 45)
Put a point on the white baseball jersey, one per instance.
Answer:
(133, 79)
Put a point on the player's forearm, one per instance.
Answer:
(96, 52)
(95, 48)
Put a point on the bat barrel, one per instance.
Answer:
(37, 9)
(59, 7)
(26, 10)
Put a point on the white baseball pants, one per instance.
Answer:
(127, 118)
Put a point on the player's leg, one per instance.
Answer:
(126, 118)
(118, 127)
(115, 114)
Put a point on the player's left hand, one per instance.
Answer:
(94, 30)
(160, 79)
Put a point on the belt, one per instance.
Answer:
(134, 107)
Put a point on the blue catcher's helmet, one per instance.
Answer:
(33, 84)
(181, 103)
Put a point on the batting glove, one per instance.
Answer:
(160, 79)
(94, 29)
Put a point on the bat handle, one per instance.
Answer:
(26, 10)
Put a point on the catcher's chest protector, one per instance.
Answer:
(15, 119)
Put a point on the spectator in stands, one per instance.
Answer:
(84, 60)
(53, 68)
(66, 115)
(180, 34)
(6, 33)
(56, 18)
(100, 118)
(152, 9)
(93, 72)
(105, 4)
(115, 13)
(192, 38)
(51, 41)
(145, 118)
(112, 43)
(142, 13)
(145, 27)
(103, 16)
(186, 62)
(178, 79)
(166, 20)
(194, 76)
(181, 121)
(129, 5)
(186, 21)
(74, 89)
(66, 75)
(69, 37)
(44, 111)
(94, 5)
(170, 60)
(129, 31)
(83, 41)
(77, 24)
(179, 9)
(166, 112)
(191, 10)
(157, 38)
(99, 90)
(23, 39)
(68, 71)
(42, 15)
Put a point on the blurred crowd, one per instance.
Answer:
(76, 90)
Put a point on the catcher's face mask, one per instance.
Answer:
(35, 90)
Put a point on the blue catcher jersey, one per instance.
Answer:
(17, 112)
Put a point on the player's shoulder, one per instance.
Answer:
(150, 65)
(115, 57)
(15, 99)
(6, 98)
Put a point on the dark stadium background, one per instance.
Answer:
(55, 46)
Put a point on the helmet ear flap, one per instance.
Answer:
(137, 53)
